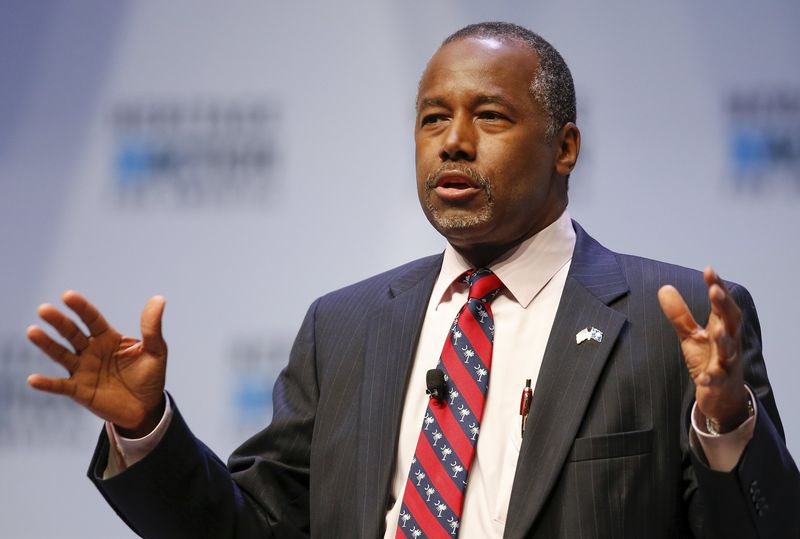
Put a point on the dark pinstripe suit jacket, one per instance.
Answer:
(606, 453)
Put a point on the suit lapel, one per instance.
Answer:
(567, 378)
(392, 336)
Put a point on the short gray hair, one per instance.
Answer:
(552, 86)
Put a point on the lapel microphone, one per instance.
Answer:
(437, 387)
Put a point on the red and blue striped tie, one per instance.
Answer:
(437, 480)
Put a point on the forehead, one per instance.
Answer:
(480, 65)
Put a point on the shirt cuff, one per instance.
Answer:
(125, 452)
(722, 452)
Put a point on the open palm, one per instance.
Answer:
(712, 353)
(118, 378)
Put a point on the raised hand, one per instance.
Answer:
(118, 378)
(712, 353)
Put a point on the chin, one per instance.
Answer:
(454, 222)
(462, 230)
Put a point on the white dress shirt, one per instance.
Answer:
(533, 276)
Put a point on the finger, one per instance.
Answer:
(676, 311)
(152, 339)
(58, 386)
(710, 276)
(129, 348)
(703, 379)
(722, 358)
(65, 327)
(714, 374)
(722, 302)
(55, 351)
(87, 312)
(726, 348)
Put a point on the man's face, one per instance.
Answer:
(485, 172)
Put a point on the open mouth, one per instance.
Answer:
(454, 183)
(455, 180)
(456, 187)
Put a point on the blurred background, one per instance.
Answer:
(243, 158)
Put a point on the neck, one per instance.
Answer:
(483, 254)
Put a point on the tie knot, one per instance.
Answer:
(483, 284)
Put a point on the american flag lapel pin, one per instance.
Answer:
(589, 333)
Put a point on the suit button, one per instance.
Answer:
(761, 512)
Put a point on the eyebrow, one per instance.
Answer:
(493, 99)
(431, 102)
(480, 100)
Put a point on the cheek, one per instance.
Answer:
(425, 158)
(520, 188)
(422, 175)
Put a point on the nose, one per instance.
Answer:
(459, 141)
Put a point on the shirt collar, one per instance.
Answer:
(524, 270)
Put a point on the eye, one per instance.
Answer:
(491, 115)
(430, 119)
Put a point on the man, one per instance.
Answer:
(621, 439)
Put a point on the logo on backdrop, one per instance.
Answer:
(764, 145)
(201, 152)
(255, 362)
(29, 418)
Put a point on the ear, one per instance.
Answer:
(568, 141)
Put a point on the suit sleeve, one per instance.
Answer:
(760, 497)
(182, 489)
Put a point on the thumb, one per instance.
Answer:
(152, 340)
(676, 311)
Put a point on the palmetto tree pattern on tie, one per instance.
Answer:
(437, 480)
